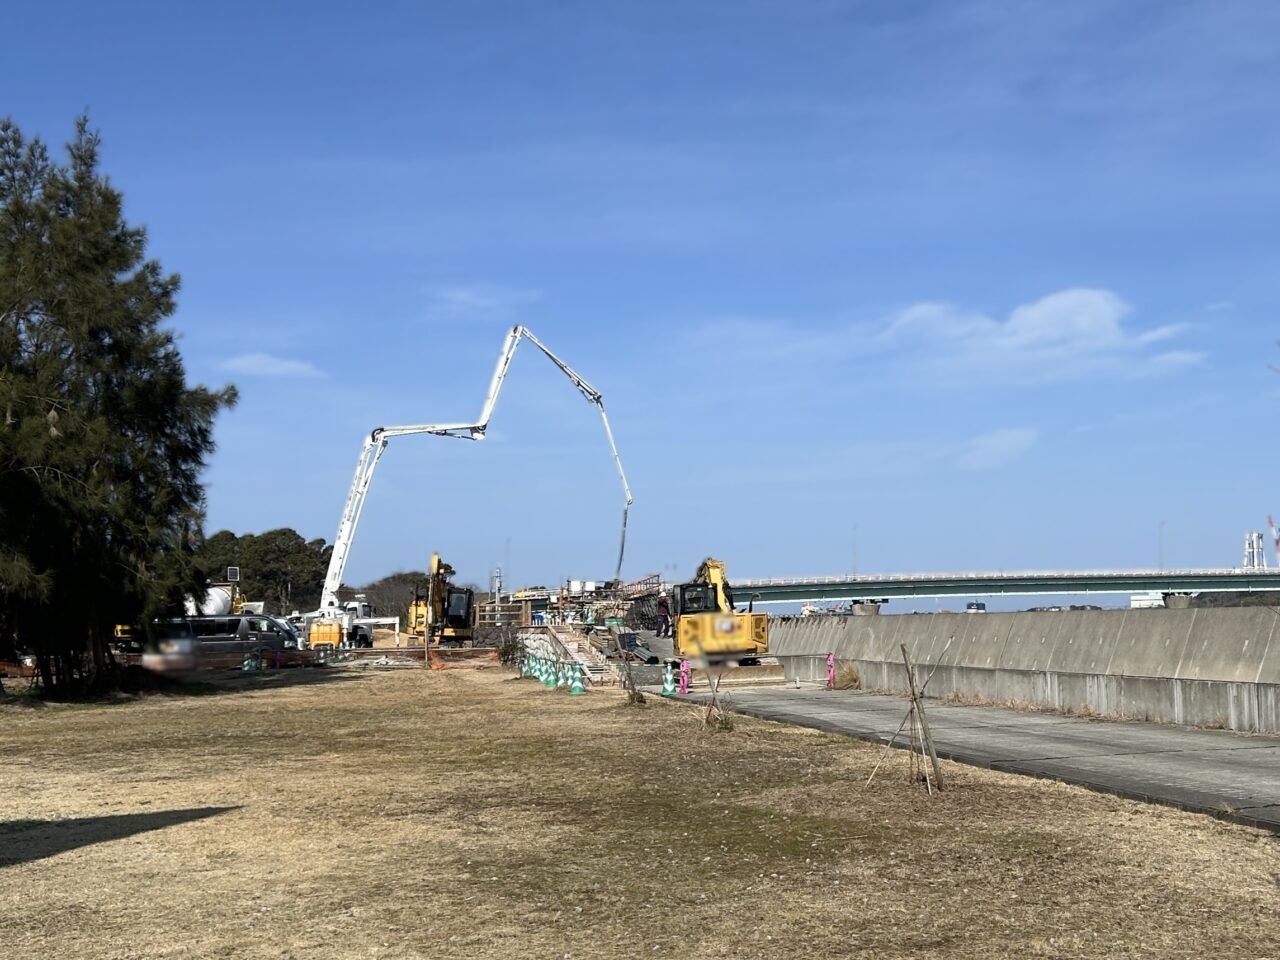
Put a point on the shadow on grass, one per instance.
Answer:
(219, 682)
(22, 841)
(137, 683)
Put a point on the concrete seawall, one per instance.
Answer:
(1209, 667)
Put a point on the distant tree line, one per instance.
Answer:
(286, 571)
(279, 567)
(101, 438)
(392, 594)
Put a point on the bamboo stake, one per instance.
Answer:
(910, 710)
(714, 706)
(924, 720)
(889, 746)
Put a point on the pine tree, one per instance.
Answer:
(101, 439)
(277, 567)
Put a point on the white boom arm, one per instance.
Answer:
(376, 444)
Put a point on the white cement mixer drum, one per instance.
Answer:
(216, 603)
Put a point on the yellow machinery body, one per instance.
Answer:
(708, 626)
(326, 633)
(446, 615)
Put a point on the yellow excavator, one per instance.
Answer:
(708, 626)
(446, 615)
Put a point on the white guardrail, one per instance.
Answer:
(999, 575)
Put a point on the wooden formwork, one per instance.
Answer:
(518, 613)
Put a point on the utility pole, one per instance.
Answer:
(855, 548)
(1160, 544)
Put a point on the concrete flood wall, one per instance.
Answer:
(1209, 667)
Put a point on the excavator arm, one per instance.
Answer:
(376, 444)
(712, 572)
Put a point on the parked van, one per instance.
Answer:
(214, 643)
(239, 635)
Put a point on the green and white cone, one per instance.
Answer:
(562, 674)
(669, 680)
(549, 674)
(575, 686)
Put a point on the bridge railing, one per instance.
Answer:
(1001, 575)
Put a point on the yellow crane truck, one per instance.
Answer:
(708, 626)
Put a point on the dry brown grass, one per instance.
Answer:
(416, 814)
(847, 677)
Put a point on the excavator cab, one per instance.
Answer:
(696, 598)
(459, 609)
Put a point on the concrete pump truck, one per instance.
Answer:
(335, 621)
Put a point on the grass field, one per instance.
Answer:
(462, 814)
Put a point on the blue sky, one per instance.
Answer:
(994, 283)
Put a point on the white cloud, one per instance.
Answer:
(1072, 334)
(888, 460)
(478, 301)
(266, 365)
(989, 451)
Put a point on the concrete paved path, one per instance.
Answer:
(1230, 775)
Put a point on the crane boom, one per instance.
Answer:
(376, 444)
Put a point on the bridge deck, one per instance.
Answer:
(897, 586)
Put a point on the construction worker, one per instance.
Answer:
(664, 615)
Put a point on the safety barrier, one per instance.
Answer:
(544, 657)
(1204, 666)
